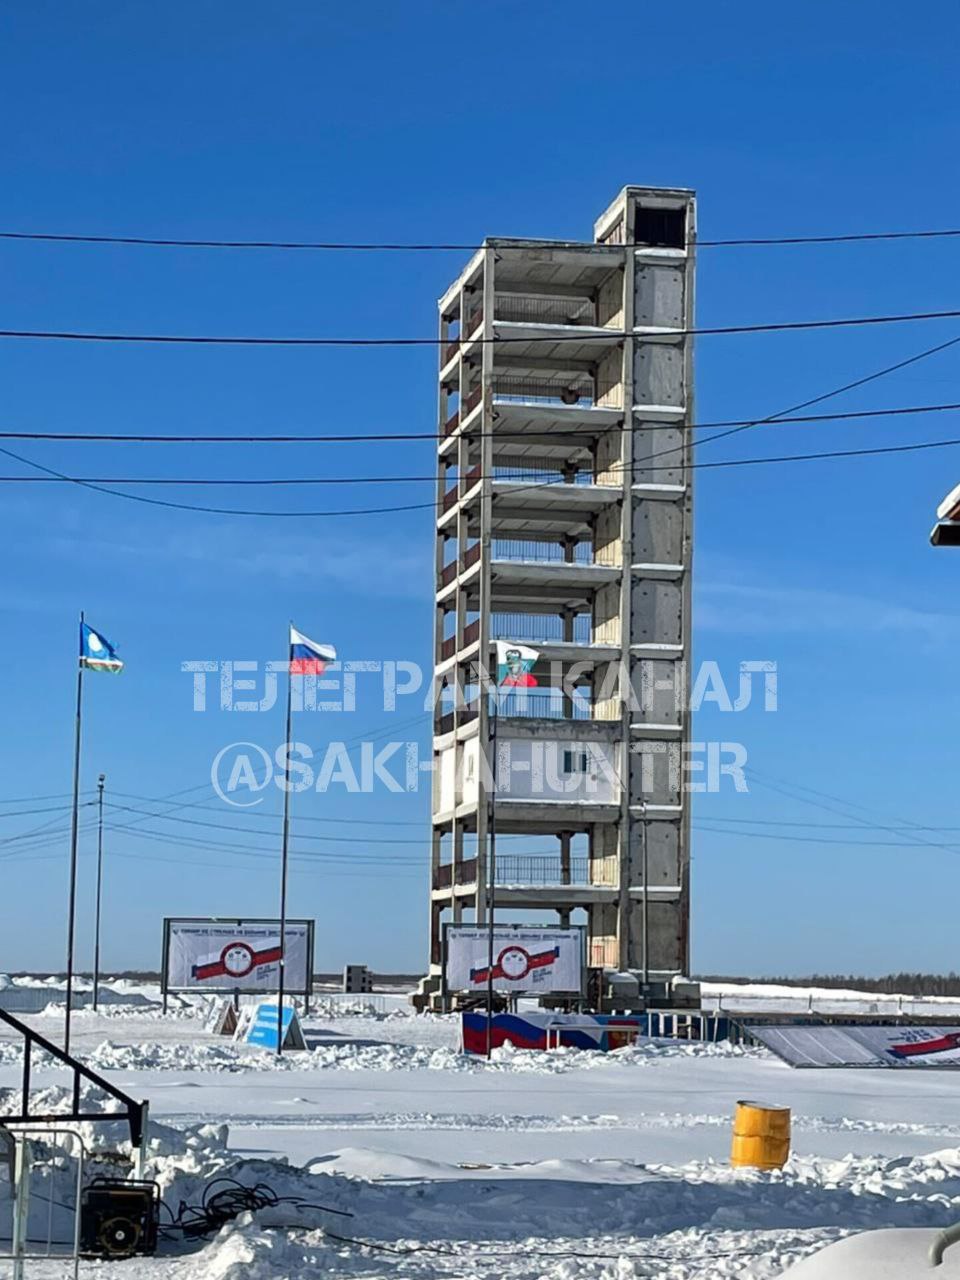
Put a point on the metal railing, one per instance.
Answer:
(536, 870)
(44, 1145)
(538, 628)
(520, 551)
(537, 552)
(557, 310)
(543, 704)
(443, 875)
(573, 390)
(129, 1109)
(539, 475)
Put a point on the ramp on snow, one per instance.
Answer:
(863, 1045)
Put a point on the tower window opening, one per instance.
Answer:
(660, 228)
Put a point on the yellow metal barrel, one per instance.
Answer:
(761, 1136)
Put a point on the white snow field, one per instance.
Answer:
(533, 1167)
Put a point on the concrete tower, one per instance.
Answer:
(565, 524)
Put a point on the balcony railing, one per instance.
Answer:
(450, 350)
(460, 487)
(539, 475)
(574, 389)
(471, 400)
(467, 561)
(467, 714)
(524, 310)
(530, 871)
(542, 704)
(520, 551)
(449, 646)
(443, 877)
(538, 628)
(467, 330)
(539, 552)
(537, 871)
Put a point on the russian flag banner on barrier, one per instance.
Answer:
(307, 658)
(545, 1030)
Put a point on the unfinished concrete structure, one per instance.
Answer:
(565, 511)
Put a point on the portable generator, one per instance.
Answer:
(119, 1219)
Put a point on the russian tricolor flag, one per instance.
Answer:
(307, 658)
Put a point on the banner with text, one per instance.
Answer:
(525, 959)
(236, 955)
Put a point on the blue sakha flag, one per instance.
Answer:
(96, 651)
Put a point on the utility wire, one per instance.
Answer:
(780, 835)
(504, 434)
(275, 817)
(838, 391)
(792, 790)
(819, 399)
(875, 451)
(822, 826)
(170, 242)
(593, 335)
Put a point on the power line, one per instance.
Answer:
(520, 437)
(818, 399)
(334, 839)
(23, 813)
(791, 790)
(275, 817)
(783, 326)
(820, 455)
(313, 855)
(60, 795)
(170, 242)
(823, 826)
(794, 839)
(829, 395)
(227, 826)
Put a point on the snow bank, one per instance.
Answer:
(367, 1056)
(562, 1220)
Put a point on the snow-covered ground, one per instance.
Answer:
(533, 1167)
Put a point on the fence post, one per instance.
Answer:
(21, 1203)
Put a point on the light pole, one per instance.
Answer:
(96, 928)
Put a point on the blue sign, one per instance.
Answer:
(263, 1028)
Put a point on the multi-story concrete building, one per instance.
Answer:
(565, 513)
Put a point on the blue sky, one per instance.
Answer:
(446, 122)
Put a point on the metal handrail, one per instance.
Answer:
(134, 1112)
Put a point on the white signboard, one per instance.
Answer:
(864, 1045)
(534, 960)
(237, 955)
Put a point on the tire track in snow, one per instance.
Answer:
(466, 1121)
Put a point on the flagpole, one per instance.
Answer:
(492, 861)
(284, 858)
(72, 908)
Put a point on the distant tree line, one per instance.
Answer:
(908, 984)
